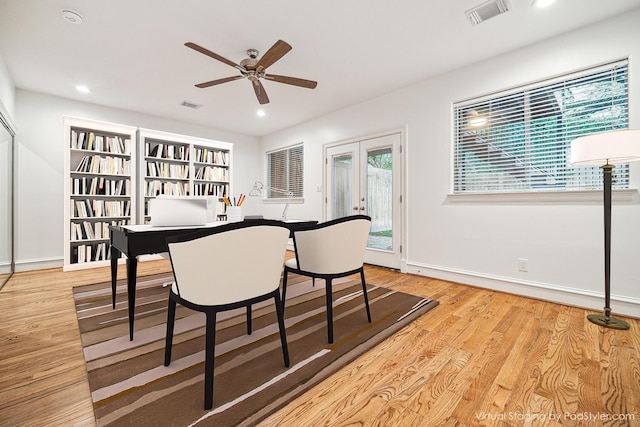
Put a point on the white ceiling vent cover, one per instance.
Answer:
(189, 104)
(488, 10)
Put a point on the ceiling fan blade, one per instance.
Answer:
(260, 92)
(218, 81)
(214, 55)
(309, 84)
(275, 52)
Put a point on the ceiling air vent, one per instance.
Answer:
(191, 105)
(488, 10)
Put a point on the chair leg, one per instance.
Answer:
(284, 286)
(249, 326)
(364, 292)
(171, 315)
(329, 298)
(210, 351)
(283, 336)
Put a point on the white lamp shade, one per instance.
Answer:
(613, 147)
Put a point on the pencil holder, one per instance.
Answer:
(234, 213)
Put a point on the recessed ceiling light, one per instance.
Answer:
(260, 113)
(542, 3)
(71, 16)
(82, 89)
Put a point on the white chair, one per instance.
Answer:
(227, 267)
(330, 250)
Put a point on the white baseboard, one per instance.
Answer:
(622, 305)
(38, 264)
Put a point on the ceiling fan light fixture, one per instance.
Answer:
(254, 69)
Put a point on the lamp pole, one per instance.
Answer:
(605, 319)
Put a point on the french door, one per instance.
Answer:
(364, 177)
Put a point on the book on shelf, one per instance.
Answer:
(212, 173)
(156, 188)
(167, 170)
(99, 230)
(210, 189)
(90, 141)
(100, 186)
(100, 208)
(104, 165)
(205, 155)
(90, 252)
(167, 151)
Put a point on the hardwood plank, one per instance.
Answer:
(477, 359)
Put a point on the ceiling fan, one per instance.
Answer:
(254, 69)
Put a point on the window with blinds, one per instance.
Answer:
(519, 141)
(285, 172)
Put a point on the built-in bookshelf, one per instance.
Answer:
(179, 165)
(100, 163)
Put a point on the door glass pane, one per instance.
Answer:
(380, 198)
(342, 185)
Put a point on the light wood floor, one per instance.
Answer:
(479, 358)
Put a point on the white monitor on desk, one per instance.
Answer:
(173, 211)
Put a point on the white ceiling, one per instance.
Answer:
(131, 53)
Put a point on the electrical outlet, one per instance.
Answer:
(523, 265)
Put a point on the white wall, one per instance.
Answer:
(40, 167)
(479, 242)
(7, 91)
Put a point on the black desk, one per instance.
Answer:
(136, 240)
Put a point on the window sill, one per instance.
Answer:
(553, 197)
(279, 201)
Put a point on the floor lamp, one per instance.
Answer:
(606, 150)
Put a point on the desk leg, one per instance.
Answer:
(115, 255)
(132, 271)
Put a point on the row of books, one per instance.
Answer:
(167, 170)
(81, 140)
(104, 165)
(212, 173)
(90, 231)
(90, 252)
(204, 155)
(100, 185)
(156, 188)
(99, 208)
(167, 151)
(210, 189)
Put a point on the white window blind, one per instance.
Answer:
(285, 172)
(519, 141)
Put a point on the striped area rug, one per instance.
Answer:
(131, 387)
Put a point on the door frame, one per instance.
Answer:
(401, 163)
